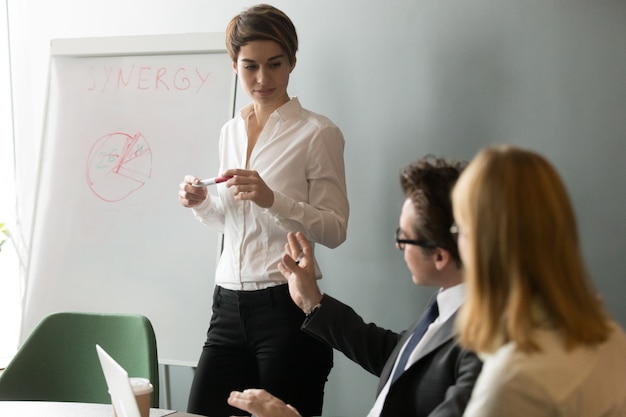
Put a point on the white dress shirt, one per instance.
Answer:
(448, 301)
(299, 155)
(585, 382)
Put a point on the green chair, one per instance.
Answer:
(58, 361)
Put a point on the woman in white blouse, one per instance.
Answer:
(550, 348)
(286, 170)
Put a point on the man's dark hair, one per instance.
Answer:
(428, 182)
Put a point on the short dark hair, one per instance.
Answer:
(261, 23)
(428, 183)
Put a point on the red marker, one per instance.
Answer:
(211, 181)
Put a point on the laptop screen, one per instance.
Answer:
(121, 391)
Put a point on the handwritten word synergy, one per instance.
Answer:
(108, 78)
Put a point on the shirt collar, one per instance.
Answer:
(287, 111)
(450, 300)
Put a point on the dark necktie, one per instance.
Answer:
(429, 316)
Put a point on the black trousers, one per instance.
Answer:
(254, 341)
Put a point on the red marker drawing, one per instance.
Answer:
(211, 181)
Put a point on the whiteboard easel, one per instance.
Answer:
(126, 118)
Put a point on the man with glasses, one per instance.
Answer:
(423, 371)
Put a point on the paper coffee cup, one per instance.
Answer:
(142, 388)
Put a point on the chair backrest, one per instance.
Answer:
(58, 361)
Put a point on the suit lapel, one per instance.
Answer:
(442, 335)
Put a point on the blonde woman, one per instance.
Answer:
(550, 347)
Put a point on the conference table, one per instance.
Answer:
(68, 409)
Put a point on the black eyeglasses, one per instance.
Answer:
(401, 243)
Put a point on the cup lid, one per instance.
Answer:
(141, 385)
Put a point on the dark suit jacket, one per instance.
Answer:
(438, 384)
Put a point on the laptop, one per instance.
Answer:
(121, 391)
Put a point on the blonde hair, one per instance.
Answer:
(522, 249)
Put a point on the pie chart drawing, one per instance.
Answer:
(118, 165)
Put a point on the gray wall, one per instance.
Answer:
(404, 78)
(449, 77)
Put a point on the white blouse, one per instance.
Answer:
(299, 155)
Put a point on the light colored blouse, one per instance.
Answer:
(299, 155)
(585, 382)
